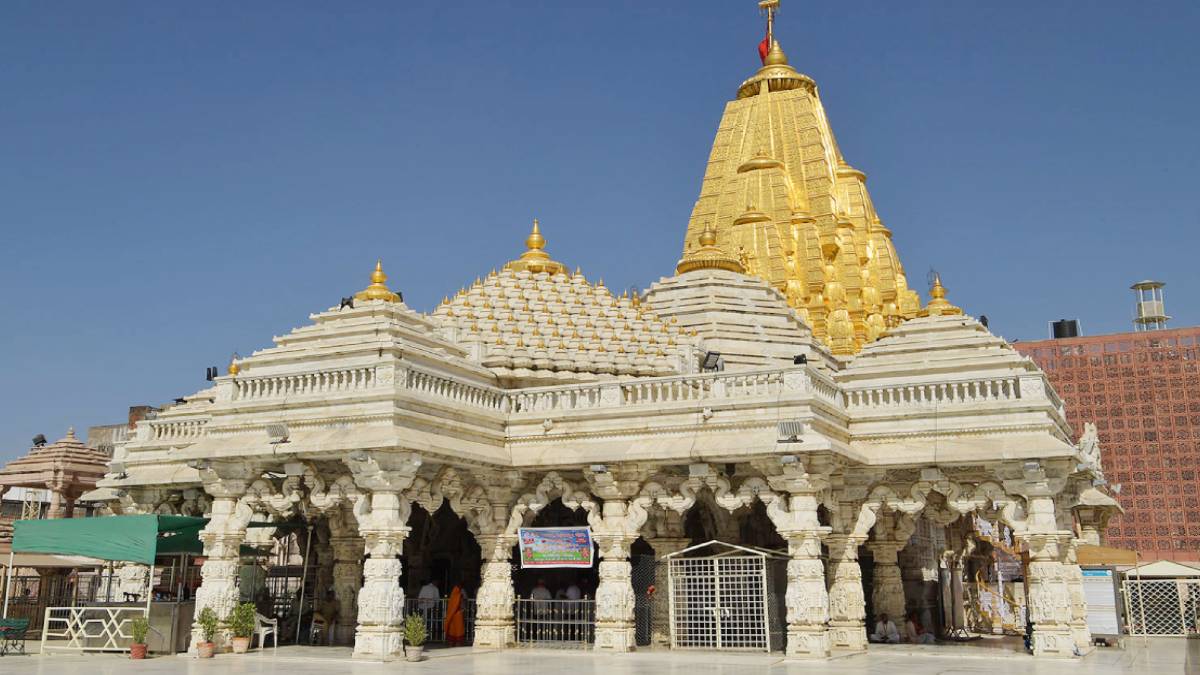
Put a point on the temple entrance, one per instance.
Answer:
(556, 607)
(439, 556)
(727, 597)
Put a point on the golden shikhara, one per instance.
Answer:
(784, 203)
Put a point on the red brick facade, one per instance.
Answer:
(1142, 390)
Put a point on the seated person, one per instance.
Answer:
(885, 630)
(915, 633)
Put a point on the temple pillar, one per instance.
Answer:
(795, 516)
(381, 599)
(660, 603)
(347, 578)
(1048, 577)
(1079, 628)
(614, 594)
(494, 623)
(381, 479)
(887, 586)
(222, 538)
(847, 604)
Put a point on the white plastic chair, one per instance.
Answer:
(264, 627)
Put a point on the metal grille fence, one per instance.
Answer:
(1162, 606)
(567, 624)
(434, 613)
(725, 602)
(29, 596)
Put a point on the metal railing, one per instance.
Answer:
(434, 614)
(1166, 607)
(93, 629)
(569, 624)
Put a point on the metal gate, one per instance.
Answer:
(1162, 606)
(726, 601)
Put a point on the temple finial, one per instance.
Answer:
(234, 368)
(378, 289)
(938, 304)
(535, 259)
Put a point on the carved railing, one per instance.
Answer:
(659, 390)
(475, 395)
(177, 430)
(300, 384)
(546, 399)
(935, 394)
(704, 387)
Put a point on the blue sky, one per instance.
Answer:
(179, 181)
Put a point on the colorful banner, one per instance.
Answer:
(545, 547)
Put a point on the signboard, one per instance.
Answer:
(545, 547)
(1100, 592)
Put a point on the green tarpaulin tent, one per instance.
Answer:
(123, 538)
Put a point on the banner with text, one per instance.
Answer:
(545, 547)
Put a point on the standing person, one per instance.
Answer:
(915, 633)
(572, 592)
(429, 595)
(454, 625)
(885, 630)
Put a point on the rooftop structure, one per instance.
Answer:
(66, 468)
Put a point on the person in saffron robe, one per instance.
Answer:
(454, 625)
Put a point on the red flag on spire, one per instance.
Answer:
(763, 48)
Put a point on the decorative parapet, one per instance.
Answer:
(956, 392)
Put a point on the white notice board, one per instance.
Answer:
(1100, 591)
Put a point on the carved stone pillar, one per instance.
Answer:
(847, 604)
(660, 604)
(807, 598)
(887, 586)
(1074, 575)
(222, 539)
(494, 623)
(1047, 579)
(347, 579)
(381, 600)
(614, 595)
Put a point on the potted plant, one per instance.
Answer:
(241, 622)
(139, 627)
(208, 623)
(414, 635)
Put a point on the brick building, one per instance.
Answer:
(1142, 390)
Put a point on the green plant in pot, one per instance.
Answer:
(414, 636)
(139, 627)
(208, 622)
(241, 623)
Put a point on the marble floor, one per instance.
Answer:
(1162, 656)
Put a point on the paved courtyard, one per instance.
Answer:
(1157, 657)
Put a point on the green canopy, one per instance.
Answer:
(124, 538)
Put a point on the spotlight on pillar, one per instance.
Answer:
(790, 431)
(278, 433)
(39, 440)
(799, 359)
(117, 470)
(598, 468)
(788, 459)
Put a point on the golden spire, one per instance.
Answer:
(378, 289)
(708, 256)
(938, 304)
(535, 259)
